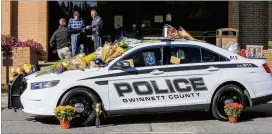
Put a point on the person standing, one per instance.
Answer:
(76, 26)
(96, 26)
(61, 39)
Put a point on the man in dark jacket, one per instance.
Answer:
(97, 25)
(61, 39)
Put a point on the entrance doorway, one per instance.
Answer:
(64, 9)
(194, 17)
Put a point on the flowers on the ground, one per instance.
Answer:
(233, 109)
(64, 112)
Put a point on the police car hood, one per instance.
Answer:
(67, 75)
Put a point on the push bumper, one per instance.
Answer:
(261, 100)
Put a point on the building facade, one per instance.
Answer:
(38, 20)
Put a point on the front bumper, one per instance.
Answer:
(261, 100)
(41, 101)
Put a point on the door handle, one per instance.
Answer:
(156, 72)
(212, 68)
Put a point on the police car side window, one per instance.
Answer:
(208, 56)
(185, 55)
(146, 57)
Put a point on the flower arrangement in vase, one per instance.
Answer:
(65, 115)
(98, 111)
(233, 111)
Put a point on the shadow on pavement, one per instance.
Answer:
(248, 115)
(3, 108)
(261, 111)
(162, 117)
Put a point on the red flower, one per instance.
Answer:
(242, 53)
(172, 31)
(233, 106)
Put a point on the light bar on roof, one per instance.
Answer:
(157, 38)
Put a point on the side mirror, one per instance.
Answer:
(123, 65)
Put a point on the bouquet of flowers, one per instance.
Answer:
(242, 53)
(65, 115)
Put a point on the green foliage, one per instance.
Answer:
(233, 109)
(4, 88)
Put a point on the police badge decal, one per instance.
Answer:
(149, 59)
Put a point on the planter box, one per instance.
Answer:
(16, 58)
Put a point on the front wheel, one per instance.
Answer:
(226, 94)
(82, 99)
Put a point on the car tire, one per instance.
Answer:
(222, 95)
(86, 94)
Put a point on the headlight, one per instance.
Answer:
(44, 84)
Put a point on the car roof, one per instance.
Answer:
(205, 45)
(208, 46)
(161, 43)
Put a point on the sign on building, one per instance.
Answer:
(168, 17)
(118, 21)
(158, 18)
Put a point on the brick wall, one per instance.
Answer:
(268, 56)
(269, 21)
(6, 17)
(32, 21)
(233, 16)
(26, 20)
(253, 20)
(15, 59)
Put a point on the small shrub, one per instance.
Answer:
(4, 88)
(8, 42)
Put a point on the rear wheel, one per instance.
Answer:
(226, 94)
(82, 99)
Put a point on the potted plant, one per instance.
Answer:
(233, 111)
(65, 115)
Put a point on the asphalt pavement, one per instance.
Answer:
(254, 120)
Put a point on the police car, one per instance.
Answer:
(166, 76)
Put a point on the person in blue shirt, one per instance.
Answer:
(76, 27)
(97, 25)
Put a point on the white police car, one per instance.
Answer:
(152, 78)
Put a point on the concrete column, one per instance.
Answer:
(6, 17)
(233, 14)
(269, 21)
(253, 21)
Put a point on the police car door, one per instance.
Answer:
(191, 76)
(139, 88)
